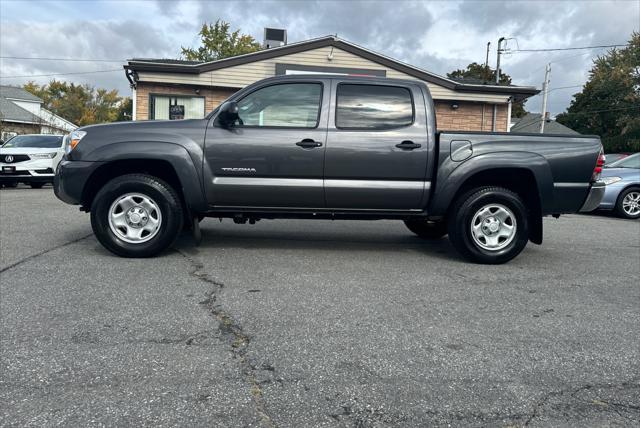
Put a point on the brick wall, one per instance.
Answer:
(18, 128)
(212, 96)
(468, 116)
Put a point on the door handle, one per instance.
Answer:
(308, 143)
(408, 145)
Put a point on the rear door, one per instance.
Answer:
(377, 147)
(274, 156)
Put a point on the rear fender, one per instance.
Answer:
(453, 175)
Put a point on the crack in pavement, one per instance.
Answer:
(573, 392)
(43, 252)
(232, 331)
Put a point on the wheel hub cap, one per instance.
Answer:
(631, 203)
(493, 227)
(135, 218)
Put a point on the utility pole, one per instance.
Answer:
(500, 40)
(545, 94)
(486, 64)
(495, 106)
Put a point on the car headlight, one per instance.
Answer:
(43, 155)
(610, 180)
(73, 140)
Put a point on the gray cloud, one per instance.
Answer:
(437, 36)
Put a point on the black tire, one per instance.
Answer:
(427, 229)
(36, 185)
(11, 184)
(620, 209)
(462, 214)
(159, 191)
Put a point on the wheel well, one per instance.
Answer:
(158, 168)
(518, 180)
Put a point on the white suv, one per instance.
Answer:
(30, 159)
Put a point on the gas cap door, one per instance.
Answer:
(460, 150)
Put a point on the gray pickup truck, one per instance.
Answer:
(326, 147)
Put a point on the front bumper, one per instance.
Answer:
(70, 179)
(30, 171)
(596, 193)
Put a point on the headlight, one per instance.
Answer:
(610, 180)
(73, 140)
(43, 155)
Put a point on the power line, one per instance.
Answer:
(62, 59)
(565, 87)
(568, 49)
(61, 74)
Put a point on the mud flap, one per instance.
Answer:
(195, 230)
(535, 229)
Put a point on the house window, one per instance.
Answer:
(172, 107)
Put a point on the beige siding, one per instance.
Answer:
(243, 75)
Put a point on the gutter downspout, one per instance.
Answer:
(509, 114)
(493, 122)
(134, 103)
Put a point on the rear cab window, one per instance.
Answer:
(373, 107)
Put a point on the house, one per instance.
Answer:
(22, 113)
(530, 122)
(198, 87)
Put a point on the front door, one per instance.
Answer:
(377, 148)
(274, 155)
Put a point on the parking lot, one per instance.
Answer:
(307, 323)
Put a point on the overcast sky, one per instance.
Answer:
(438, 36)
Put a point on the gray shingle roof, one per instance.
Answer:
(10, 112)
(531, 123)
(17, 93)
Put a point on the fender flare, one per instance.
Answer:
(452, 175)
(187, 171)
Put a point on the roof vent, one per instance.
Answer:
(274, 37)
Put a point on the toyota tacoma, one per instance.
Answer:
(326, 147)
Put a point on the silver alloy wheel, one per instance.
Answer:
(493, 227)
(135, 218)
(631, 203)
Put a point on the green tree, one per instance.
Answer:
(125, 110)
(478, 73)
(218, 43)
(80, 104)
(609, 103)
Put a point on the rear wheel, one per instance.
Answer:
(489, 225)
(136, 215)
(11, 184)
(628, 203)
(36, 185)
(427, 229)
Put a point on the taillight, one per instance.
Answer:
(599, 164)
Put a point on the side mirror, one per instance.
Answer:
(228, 114)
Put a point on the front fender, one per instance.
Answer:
(453, 175)
(187, 169)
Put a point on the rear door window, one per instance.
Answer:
(373, 107)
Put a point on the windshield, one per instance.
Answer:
(35, 141)
(632, 161)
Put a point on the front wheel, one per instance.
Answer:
(136, 215)
(489, 225)
(36, 185)
(628, 203)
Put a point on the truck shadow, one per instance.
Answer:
(246, 237)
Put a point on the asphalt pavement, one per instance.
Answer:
(315, 323)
